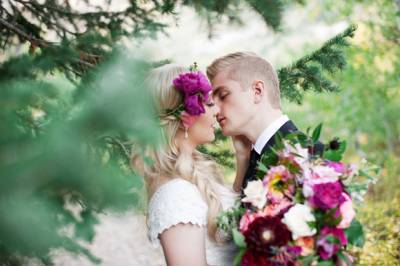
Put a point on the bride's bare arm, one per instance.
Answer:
(184, 244)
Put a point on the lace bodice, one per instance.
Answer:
(179, 201)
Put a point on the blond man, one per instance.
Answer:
(246, 90)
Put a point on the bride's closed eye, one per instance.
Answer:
(210, 104)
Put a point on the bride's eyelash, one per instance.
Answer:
(210, 104)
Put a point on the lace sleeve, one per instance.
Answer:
(177, 201)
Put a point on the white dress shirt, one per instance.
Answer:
(267, 134)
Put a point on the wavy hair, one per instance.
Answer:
(168, 161)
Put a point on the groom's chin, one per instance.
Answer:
(226, 132)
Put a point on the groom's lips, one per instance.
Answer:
(221, 121)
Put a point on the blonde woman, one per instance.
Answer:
(186, 190)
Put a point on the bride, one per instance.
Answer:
(186, 189)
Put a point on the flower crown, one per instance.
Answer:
(195, 88)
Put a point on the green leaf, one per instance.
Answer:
(262, 167)
(355, 234)
(333, 240)
(237, 261)
(325, 263)
(344, 258)
(306, 261)
(316, 133)
(312, 224)
(238, 238)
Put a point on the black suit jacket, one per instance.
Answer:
(284, 130)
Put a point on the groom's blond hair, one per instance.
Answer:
(245, 67)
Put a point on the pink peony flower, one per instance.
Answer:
(195, 88)
(327, 195)
(192, 83)
(326, 249)
(347, 212)
(194, 105)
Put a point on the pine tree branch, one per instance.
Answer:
(307, 72)
(270, 10)
(23, 34)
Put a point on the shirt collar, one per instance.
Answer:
(268, 132)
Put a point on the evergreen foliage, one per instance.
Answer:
(64, 149)
(307, 73)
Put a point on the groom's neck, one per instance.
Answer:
(261, 121)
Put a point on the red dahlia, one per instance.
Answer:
(251, 259)
(265, 232)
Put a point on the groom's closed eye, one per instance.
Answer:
(222, 95)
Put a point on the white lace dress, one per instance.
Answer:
(179, 201)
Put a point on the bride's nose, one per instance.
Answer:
(216, 110)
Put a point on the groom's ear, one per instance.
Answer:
(258, 90)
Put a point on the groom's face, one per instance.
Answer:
(235, 104)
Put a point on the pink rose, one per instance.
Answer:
(246, 220)
(347, 211)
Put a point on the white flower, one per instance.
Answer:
(256, 194)
(297, 218)
(307, 189)
(301, 154)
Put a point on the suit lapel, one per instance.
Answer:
(285, 129)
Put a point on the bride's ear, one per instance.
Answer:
(258, 90)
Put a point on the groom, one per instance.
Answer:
(246, 90)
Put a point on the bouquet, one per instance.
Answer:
(299, 210)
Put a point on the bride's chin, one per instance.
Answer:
(210, 139)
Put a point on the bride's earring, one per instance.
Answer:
(186, 132)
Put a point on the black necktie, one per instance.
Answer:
(249, 176)
(254, 156)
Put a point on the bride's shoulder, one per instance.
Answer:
(173, 189)
(177, 201)
(176, 194)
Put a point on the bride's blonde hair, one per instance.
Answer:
(168, 161)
